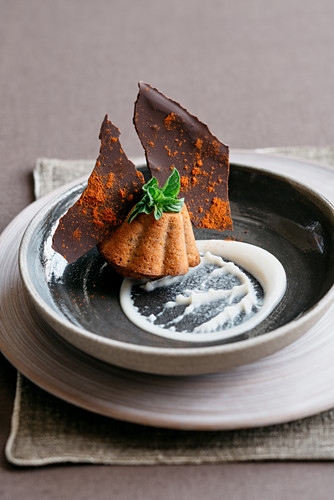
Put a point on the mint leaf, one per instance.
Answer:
(159, 200)
(157, 194)
(141, 207)
(152, 182)
(150, 195)
(172, 185)
(174, 207)
(158, 212)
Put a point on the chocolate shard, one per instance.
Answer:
(114, 186)
(172, 137)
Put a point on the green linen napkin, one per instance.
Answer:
(48, 430)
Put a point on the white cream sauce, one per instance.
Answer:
(215, 300)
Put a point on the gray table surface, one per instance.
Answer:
(259, 72)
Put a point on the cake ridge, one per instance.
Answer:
(150, 248)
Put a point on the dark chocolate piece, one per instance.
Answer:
(113, 188)
(172, 137)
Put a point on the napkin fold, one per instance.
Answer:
(47, 430)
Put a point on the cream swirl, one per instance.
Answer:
(216, 300)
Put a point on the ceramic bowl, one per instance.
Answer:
(80, 301)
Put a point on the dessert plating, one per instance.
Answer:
(173, 140)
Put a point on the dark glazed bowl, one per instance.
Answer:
(81, 301)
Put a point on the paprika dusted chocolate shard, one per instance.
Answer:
(172, 137)
(113, 188)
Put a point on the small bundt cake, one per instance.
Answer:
(150, 248)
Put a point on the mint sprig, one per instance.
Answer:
(159, 200)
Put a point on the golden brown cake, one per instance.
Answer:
(150, 248)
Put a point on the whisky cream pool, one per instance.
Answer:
(233, 289)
